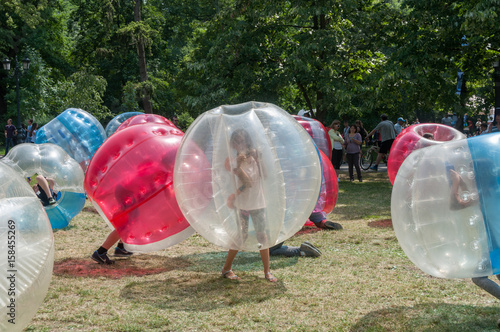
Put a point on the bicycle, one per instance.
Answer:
(369, 156)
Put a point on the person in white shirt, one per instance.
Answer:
(337, 142)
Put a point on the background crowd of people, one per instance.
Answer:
(24, 134)
(348, 141)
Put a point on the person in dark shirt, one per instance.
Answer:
(10, 133)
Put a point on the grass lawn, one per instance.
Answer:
(362, 282)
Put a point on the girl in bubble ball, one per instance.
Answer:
(248, 199)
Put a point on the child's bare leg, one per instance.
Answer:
(226, 269)
(44, 185)
(264, 254)
(112, 238)
(51, 183)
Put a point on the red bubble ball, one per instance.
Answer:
(318, 133)
(130, 181)
(329, 186)
(412, 138)
(145, 118)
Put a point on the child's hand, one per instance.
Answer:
(230, 201)
(240, 158)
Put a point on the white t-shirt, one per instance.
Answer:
(252, 197)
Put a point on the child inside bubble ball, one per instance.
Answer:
(44, 190)
(248, 198)
(460, 200)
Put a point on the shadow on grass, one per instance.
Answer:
(67, 228)
(90, 209)
(430, 317)
(202, 292)
(212, 262)
(134, 266)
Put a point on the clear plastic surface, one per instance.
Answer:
(27, 247)
(445, 207)
(247, 176)
(51, 161)
(118, 120)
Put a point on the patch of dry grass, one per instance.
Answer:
(362, 282)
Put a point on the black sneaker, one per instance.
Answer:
(119, 252)
(102, 259)
(309, 250)
(310, 244)
(332, 225)
(52, 201)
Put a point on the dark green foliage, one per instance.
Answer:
(346, 59)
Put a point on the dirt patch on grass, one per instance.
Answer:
(383, 223)
(134, 266)
(308, 230)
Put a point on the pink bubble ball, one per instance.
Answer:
(145, 118)
(412, 138)
(130, 182)
(329, 186)
(318, 133)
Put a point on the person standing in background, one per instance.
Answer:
(34, 128)
(447, 121)
(29, 131)
(399, 126)
(10, 133)
(387, 134)
(337, 142)
(353, 142)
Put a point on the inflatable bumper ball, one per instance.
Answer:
(329, 186)
(318, 133)
(117, 121)
(27, 247)
(130, 182)
(416, 137)
(145, 118)
(76, 131)
(254, 179)
(445, 207)
(51, 161)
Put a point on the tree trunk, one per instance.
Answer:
(306, 97)
(143, 71)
